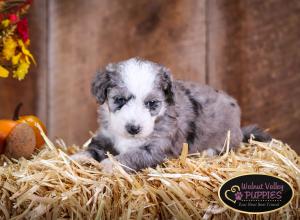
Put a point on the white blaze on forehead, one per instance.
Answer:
(138, 77)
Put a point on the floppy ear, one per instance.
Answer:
(167, 85)
(100, 85)
(102, 82)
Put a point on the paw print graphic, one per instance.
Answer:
(238, 196)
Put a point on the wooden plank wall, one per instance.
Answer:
(85, 35)
(13, 92)
(248, 48)
(253, 53)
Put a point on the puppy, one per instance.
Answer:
(145, 116)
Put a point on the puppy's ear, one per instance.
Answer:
(167, 85)
(101, 83)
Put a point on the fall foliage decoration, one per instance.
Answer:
(15, 57)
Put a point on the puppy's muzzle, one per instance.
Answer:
(133, 129)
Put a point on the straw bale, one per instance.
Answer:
(51, 186)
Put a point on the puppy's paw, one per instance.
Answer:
(211, 152)
(82, 157)
(107, 166)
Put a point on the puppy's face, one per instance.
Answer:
(135, 93)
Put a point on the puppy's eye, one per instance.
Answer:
(152, 104)
(120, 101)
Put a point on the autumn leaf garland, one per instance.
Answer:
(15, 57)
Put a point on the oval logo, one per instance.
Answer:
(255, 193)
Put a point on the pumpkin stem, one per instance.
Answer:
(17, 111)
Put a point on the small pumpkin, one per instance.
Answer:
(6, 127)
(11, 134)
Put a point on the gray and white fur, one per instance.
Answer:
(146, 116)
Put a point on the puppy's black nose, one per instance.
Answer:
(133, 129)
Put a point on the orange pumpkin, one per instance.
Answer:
(6, 126)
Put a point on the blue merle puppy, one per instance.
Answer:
(146, 116)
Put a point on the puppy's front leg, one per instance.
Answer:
(97, 149)
(148, 155)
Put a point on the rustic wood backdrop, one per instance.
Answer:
(249, 48)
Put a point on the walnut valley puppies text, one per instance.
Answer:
(266, 190)
(255, 193)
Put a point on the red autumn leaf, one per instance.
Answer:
(13, 18)
(22, 28)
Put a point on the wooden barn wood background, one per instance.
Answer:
(249, 48)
